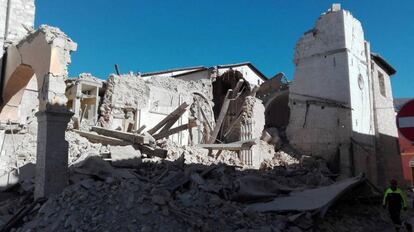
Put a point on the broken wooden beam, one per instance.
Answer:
(233, 125)
(238, 87)
(151, 151)
(147, 150)
(17, 218)
(141, 129)
(117, 69)
(205, 117)
(83, 112)
(186, 179)
(190, 124)
(206, 124)
(96, 138)
(206, 132)
(254, 91)
(179, 111)
(236, 146)
(222, 115)
(133, 138)
(171, 122)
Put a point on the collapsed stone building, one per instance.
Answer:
(338, 107)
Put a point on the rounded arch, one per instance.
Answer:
(228, 80)
(277, 111)
(211, 113)
(13, 92)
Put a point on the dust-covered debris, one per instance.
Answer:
(171, 196)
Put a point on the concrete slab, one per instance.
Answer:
(125, 156)
(318, 199)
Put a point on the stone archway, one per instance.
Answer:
(13, 93)
(43, 56)
(277, 111)
(221, 85)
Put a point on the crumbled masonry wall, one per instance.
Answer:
(253, 115)
(166, 95)
(252, 109)
(151, 100)
(331, 78)
(121, 92)
(202, 104)
(20, 149)
(84, 97)
(225, 78)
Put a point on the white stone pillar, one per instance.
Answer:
(95, 113)
(246, 134)
(76, 104)
(52, 153)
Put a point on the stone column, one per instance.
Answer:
(246, 134)
(76, 104)
(95, 113)
(52, 153)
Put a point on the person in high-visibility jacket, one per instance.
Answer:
(396, 200)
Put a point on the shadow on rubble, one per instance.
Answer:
(23, 175)
(16, 195)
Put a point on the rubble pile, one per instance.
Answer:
(80, 147)
(18, 142)
(191, 189)
(362, 217)
(25, 151)
(280, 158)
(183, 197)
(184, 192)
(197, 155)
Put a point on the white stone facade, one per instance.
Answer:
(16, 18)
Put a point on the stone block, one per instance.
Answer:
(336, 7)
(125, 156)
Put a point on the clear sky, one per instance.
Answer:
(155, 35)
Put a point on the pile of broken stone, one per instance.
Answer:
(185, 191)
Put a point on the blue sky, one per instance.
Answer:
(154, 35)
